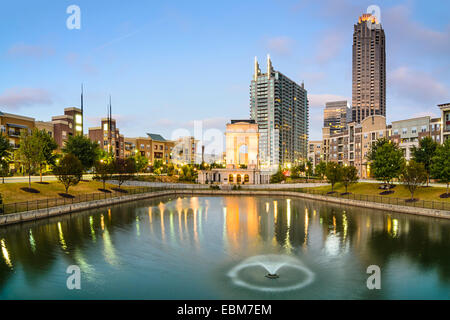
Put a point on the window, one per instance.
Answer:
(404, 130)
(414, 130)
(423, 129)
(396, 131)
(365, 136)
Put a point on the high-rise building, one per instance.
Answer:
(369, 69)
(336, 115)
(280, 108)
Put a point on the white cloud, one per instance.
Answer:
(319, 100)
(16, 98)
(280, 45)
(417, 86)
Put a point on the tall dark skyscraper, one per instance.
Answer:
(369, 69)
(280, 108)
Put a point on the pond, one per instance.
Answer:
(231, 247)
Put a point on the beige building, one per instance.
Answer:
(242, 157)
(315, 152)
(184, 151)
(352, 145)
(154, 147)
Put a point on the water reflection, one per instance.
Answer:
(202, 232)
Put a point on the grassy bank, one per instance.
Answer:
(400, 191)
(11, 192)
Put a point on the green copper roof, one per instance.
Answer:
(156, 137)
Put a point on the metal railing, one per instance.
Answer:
(427, 204)
(7, 208)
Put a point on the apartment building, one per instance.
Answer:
(108, 137)
(185, 150)
(407, 133)
(352, 145)
(12, 124)
(154, 147)
(315, 152)
(445, 118)
(66, 125)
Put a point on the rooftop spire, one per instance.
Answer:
(257, 70)
(269, 67)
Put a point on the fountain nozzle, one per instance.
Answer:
(272, 276)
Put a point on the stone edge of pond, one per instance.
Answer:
(25, 216)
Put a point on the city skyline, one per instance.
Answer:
(117, 56)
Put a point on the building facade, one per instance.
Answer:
(108, 137)
(280, 108)
(445, 116)
(242, 157)
(336, 115)
(184, 151)
(368, 69)
(66, 125)
(315, 152)
(154, 147)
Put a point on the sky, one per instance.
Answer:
(167, 64)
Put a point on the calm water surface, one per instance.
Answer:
(222, 247)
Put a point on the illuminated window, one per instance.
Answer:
(78, 119)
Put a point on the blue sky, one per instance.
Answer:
(169, 63)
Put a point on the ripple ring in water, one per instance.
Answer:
(272, 263)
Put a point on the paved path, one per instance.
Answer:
(443, 185)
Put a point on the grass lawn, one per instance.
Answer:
(11, 192)
(400, 191)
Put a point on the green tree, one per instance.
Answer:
(278, 176)
(124, 169)
(413, 176)
(308, 169)
(87, 151)
(141, 162)
(157, 166)
(321, 169)
(188, 173)
(386, 161)
(103, 171)
(424, 154)
(349, 176)
(333, 173)
(440, 167)
(5, 156)
(48, 145)
(69, 171)
(30, 152)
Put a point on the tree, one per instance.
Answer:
(5, 154)
(440, 167)
(424, 154)
(157, 166)
(104, 171)
(141, 162)
(87, 151)
(320, 169)
(48, 146)
(30, 152)
(349, 176)
(386, 160)
(278, 176)
(124, 169)
(297, 170)
(413, 175)
(308, 169)
(69, 171)
(188, 173)
(333, 173)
